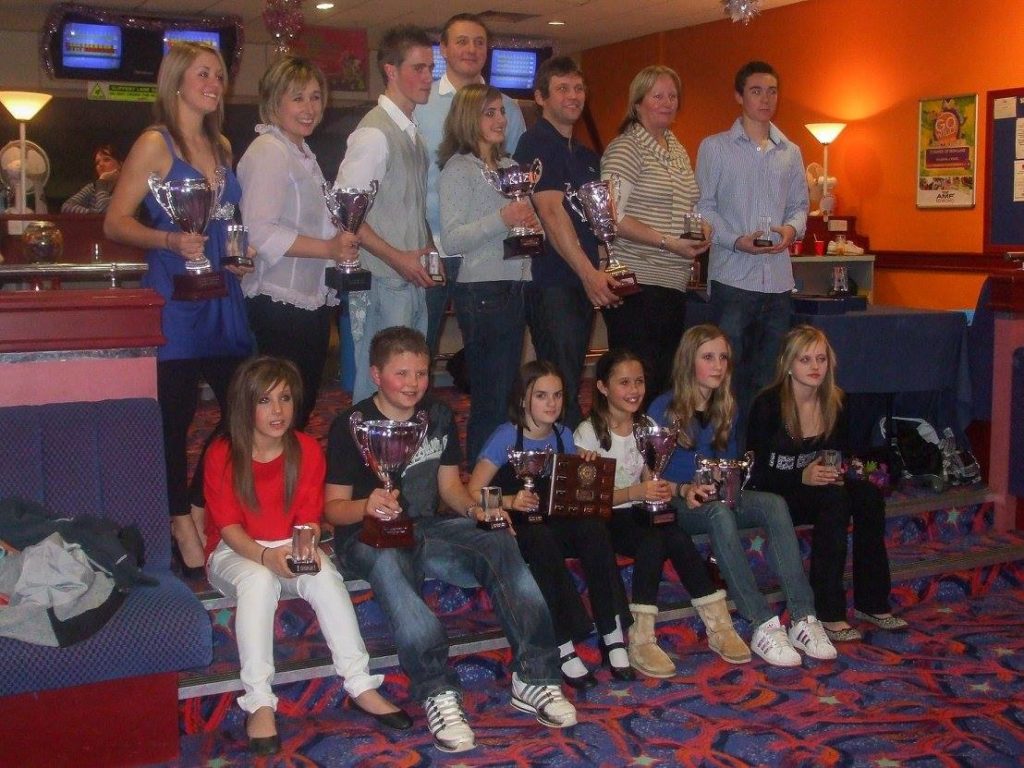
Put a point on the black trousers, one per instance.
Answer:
(650, 547)
(546, 545)
(299, 335)
(650, 324)
(830, 509)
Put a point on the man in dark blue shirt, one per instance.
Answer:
(567, 282)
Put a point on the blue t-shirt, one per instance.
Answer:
(495, 450)
(683, 463)
(564, 161)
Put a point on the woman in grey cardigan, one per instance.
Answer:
(475, 220)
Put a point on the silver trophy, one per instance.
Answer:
(302, 559)
(236, 246)
(527, 465)
(693, 227)
(840, 282)
(516, 182)
(386, 447)
(348, 209)
(190, 204)
(595, 203)
(656, 445)
(729, 476)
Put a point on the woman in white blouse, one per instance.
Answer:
(289, 225)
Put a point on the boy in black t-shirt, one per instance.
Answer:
(450, 548)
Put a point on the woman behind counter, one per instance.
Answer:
(475, 218)
(657, 188)
(94, 197)
(290, 227)
(204, 339)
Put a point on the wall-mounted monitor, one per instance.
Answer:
(440, 65)
(91, 46)
(512, 70)
(208, 36)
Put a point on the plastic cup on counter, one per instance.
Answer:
(819, 247)
(796, 248)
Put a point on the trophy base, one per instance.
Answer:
(524, 246)
(238, 261)
(653, 517)
(762, 242)
(199, 287)
(527, 518)
(299, 567)
(628, 284)
(692, 236)
(342, 282)
(387, 534)
(498, 524)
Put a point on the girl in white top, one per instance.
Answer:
(619, 388)
(289, 225)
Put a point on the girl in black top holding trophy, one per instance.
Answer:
(535, 412)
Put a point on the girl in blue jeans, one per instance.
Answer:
(701, 402)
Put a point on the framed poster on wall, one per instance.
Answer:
(342, 54)
(947, 131)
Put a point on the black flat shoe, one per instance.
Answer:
(581, 683)
(399, 721)
(622, 674)
(264, 746)
(188, 571)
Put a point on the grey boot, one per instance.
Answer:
(644, 653)
(722, 637)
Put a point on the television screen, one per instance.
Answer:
(440, 65)
(513, 70)
(91, 46)
(210, 36)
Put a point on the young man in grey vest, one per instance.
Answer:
(386, 146)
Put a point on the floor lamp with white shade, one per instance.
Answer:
(23, 106)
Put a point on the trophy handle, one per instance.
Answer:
(572, 197)
(424, 422)
(160, 193)
(536, 169)
(492, 178)
(748, 458)
(362, 442)
(374, 186)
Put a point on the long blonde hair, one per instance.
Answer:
(165, 109)
(721, 407)
(829, 395)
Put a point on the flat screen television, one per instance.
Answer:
(91, 46)
(209, 36)
(512, 70)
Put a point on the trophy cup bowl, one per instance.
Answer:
(301, 560)
(595, 204)
(490, 500)
(348, 207)
(44, 242)
(386, 447)
(730, 476)
(516, 182)
(190, 204)
(527, 465)
(656, 445)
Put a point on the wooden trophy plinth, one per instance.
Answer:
(387, 534)
(581, 488)
(199, 287)
(528, 246)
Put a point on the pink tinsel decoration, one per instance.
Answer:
(283, 20)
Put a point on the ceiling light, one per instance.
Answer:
(556, 23)
(324, 6)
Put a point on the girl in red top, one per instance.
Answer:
(261, 479)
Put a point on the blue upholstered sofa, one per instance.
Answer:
(103, 458)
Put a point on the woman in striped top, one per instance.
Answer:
(657, 188)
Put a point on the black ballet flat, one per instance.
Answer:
(188, 571)
(264, 746)
(399, 721)
(622, 674)
(581, 683)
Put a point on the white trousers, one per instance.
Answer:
(256, 590)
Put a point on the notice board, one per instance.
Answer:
(1004, 171)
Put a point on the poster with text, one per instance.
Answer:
(946, 155)
(342, 54)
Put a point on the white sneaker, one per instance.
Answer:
(771, 644)
(447, 722)
(547, 702)
(810, 637)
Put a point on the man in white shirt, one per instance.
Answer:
(464, 40)
(386, 146)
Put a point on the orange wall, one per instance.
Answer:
(862, 62)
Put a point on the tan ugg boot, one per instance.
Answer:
(722, 637)
(644, 654)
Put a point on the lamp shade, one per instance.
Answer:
(23, 105)
(826, 133)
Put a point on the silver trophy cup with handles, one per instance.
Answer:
(595, 203)
(527, 465)
(190, 204)
(348, 207)
(516, 182)
(729, 476)
(656, 445)
(386, 447)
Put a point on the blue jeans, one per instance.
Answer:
(754, 323)
(755, 510)
(492, 316)
(437, 302)
(390, 301)
(560, 319)
(453, 549)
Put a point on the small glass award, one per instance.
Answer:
(490, 500)
(302, 558)
(764, 232)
